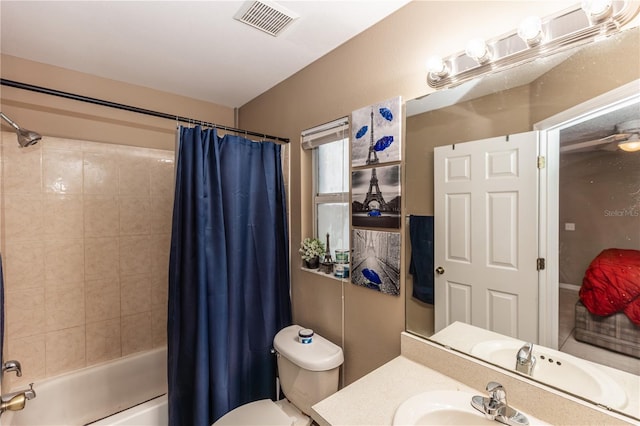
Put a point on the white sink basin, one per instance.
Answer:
(439, 408)
(557, 369)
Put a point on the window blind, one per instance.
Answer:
(325, 133)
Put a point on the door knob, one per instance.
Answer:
(439, 270)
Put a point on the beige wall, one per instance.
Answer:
(385, 61)
(589, 73)
(599, 194)
(65, 118)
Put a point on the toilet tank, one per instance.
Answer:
(308, 372)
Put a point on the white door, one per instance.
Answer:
(486, 244)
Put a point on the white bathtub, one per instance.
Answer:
(100, 391)
(150, 413)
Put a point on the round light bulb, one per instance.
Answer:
(597, 10)
(530, 30)
(436, 66)
(631, 145)
(478, 50)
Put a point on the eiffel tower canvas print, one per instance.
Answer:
(375, 197)
(375, 133)
(376, 260)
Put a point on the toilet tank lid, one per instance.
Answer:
(319, 355)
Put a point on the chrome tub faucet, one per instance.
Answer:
(495, 406)
(525, 361)
(12, 365)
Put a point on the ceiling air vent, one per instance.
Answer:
(266, 16)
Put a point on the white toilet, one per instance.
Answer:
(308, 373)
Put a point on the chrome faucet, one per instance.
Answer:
(12, 365)
(525, 361)
(17, 400)
(495, 407)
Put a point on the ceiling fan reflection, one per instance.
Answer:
(626, 138)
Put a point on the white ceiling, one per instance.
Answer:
(192, 48)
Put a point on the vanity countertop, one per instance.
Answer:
(374, 398)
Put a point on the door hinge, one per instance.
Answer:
(541, 162)
(540, 263)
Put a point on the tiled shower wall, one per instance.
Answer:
(85, 247)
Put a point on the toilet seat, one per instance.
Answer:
(262, 412)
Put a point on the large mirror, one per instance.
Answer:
(597, 206)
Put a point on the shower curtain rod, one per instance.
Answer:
(67, 95)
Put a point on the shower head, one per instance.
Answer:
(25, 137)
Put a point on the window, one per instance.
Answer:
(330, 145)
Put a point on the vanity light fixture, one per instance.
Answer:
(535, 37)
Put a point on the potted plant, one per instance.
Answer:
(311, 249)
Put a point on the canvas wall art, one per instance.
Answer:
(376, 260)
(375, 133)
(375, 197)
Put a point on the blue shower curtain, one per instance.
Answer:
(228, 275)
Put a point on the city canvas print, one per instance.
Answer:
(375, 133)
(375, 197)
(376, 260)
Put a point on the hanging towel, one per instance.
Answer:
(421, 267)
